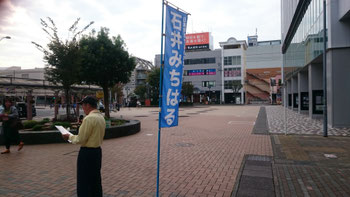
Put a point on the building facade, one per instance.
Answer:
(264, 62)
(18, 72)
(138, 77)
(203, 70)
(233, 53)
(302, 48)
(234, 73)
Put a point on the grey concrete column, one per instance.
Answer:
(303, 86)
(294, 91)
(338, 87)
(289, 91)
(315, 83)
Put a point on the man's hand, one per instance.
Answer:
(65, 136)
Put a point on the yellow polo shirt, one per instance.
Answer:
(91, 131)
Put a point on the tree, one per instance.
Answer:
(141, 91)
(187, 89)
(153, 79)
(236, 85)
(106, 62)
(63, 58)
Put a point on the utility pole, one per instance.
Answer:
(325, 115)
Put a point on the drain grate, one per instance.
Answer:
(258, 158)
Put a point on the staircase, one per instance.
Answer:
(256, 87)
(258, 78)
(257, 98)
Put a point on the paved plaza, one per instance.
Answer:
(298, 123)
(215, 151)
(200, 157)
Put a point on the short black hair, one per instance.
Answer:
(89, 100)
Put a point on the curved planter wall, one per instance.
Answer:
(48, 137)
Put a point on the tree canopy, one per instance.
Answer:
(106, 61)
(141, 91)
(63, 57)
(153, 79)
(236, 85)
(187, 89)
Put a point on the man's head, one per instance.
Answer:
(7, 103)
(89, 103)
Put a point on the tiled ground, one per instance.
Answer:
(200, 157)
(298, 123)
(302, 169)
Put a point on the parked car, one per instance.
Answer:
(22, 109)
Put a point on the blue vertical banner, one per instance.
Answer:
(175, 34)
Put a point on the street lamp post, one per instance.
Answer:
(5, 37)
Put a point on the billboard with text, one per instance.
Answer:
(197, 41)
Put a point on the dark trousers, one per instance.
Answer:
(11, 135)
(89, 172)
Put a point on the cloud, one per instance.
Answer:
(137, 21)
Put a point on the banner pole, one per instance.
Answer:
(160, 99)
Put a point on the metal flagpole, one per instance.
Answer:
(160, 98)
(325, 118)
(284, 100)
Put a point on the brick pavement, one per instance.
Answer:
(302, 169)
(200, 157)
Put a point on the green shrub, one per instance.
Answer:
(63, 124)
(37, 127)
(28, 124)
(117, 122)
(44, 121)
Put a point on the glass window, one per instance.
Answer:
(228, 60)
(200, 61)
(307, 43)
(229, 84)
(232, 60)
(208, 84)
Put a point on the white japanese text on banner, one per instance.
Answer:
(173, 65)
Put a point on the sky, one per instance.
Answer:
(138, 22)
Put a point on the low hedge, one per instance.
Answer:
(28, 124)
(37, 127)
(63, 124)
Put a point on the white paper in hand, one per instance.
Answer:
(63, 131)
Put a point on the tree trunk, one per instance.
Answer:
(106, 100)
(29, 105)
(67, 103)
(56, 105)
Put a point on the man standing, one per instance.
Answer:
(90, 137)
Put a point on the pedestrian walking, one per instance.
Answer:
(10, 122)
(138, 103)
(90, 137)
